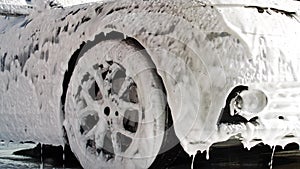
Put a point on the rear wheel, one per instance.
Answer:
(115, 107)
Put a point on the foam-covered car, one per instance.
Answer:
(124, 82)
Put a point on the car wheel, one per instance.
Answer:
(115, 111)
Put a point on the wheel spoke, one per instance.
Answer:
(116, 142)
(125, 132)
(91, 132)
(125, 86)
(100, 82)
(87, 111)
(100, 133)
(97, 133)
(118, 127)
(115, 68)
(85, 94)
(91, 104)
(124, 105)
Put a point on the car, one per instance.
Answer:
(124, 82)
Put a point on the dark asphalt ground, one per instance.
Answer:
(234, 157)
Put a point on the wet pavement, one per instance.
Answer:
(220, 157)
(30, 155)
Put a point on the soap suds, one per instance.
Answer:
(193, 159)
(272, 156)
(262, 70)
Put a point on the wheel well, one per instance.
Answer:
(225, 116)
(84, 47)
(68, 74)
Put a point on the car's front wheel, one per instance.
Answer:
(115, 107)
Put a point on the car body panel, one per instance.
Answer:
(201, 50)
